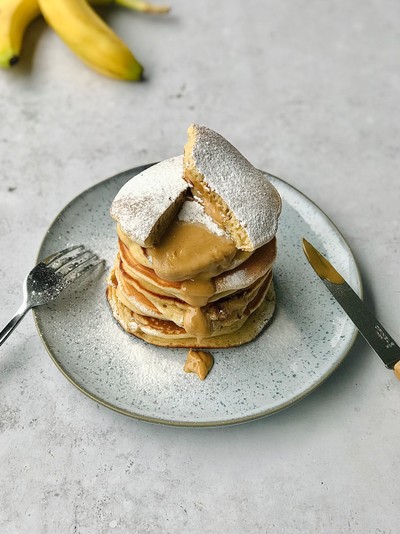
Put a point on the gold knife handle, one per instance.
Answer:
(396, 370)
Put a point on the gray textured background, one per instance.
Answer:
(307, 90)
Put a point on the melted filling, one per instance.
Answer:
(189, 249)
(192, 253)
(196, 323)
(199, 290)
(141, 257)
(198, 362)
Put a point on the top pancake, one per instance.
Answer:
(146, 205)
(236, 194)
(237, 197)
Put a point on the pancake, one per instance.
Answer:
(196, 248)
(145, 212)
(239, 277)
(167, 334)
(233, 192)
(218, 314)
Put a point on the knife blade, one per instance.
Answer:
(370, 328)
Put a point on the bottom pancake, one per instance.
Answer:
(142, 327)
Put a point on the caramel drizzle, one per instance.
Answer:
(196, 323)
(189, 250)
(198, 362)
(192, 253)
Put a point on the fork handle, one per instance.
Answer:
(13, 323)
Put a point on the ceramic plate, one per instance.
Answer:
(307, 339)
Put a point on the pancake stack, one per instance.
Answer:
(196, 246)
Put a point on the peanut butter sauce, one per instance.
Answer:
(198, 362)
(200, 290)
(189, 249)
(321, 265)
(196, 323)
(189, 256)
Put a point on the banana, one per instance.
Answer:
(90, 38)
(141, 5)
(16, 15)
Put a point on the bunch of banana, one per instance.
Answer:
(79, 27)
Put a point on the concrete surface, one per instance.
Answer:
(307, 90)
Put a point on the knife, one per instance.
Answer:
(371, 329)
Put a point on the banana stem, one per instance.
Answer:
(143, 6)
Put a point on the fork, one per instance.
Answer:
(51, 276)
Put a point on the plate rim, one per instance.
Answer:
(194, 424)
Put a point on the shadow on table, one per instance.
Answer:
(32, 37)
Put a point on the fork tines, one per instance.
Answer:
(91, 263)
(73, 262)
(63, 254)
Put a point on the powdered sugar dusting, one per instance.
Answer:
(252, 198)
(193, 212)
(237, 279)
(234, 280)
(143, 200)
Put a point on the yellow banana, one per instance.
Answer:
(16, 15)
(90, 38)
